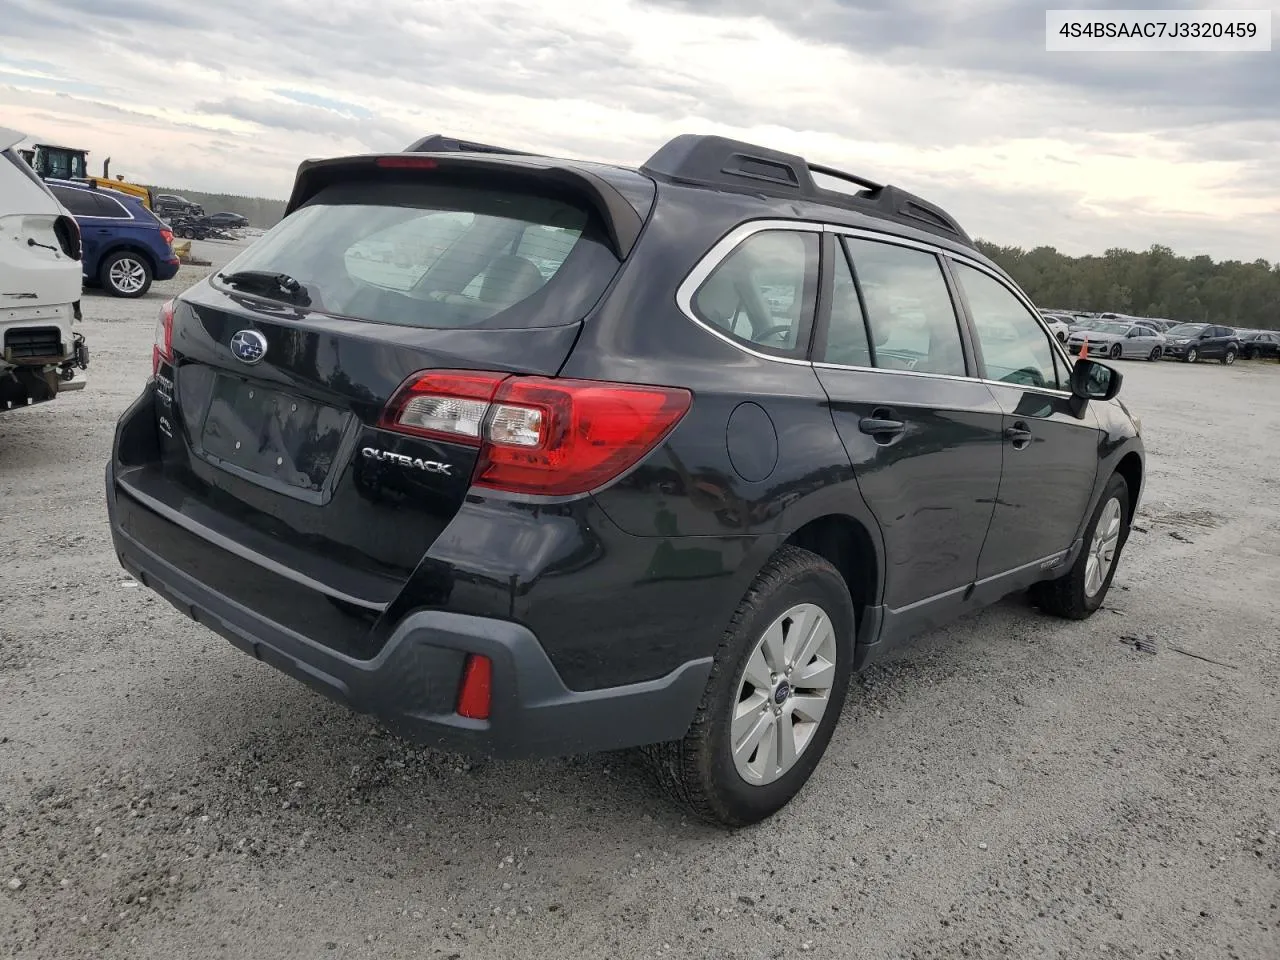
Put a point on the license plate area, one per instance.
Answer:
(282, 438)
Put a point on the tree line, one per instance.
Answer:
(1151, 283)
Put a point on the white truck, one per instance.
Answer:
(40, 284)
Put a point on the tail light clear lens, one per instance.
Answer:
(162, 349)
(539, 435)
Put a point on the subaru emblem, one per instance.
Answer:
(249, 346)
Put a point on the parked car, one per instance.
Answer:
(1116, 340)
(1058, 325)
(227, 221)
(466, 494)
(40, 350)
(169, 206)
(1202, 341)
(1259, 343)
(1155, 325)
(125, 245)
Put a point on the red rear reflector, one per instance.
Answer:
(476, 693)
(162, 349)
(406, 163)
(538, 435)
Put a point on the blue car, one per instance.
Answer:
(125, 245)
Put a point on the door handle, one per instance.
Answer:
(881, 426)
(1019, 435)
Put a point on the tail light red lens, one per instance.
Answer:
(539, 435)
(475, 696)
(162, 349)
(167, 236)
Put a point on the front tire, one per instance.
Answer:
(773, 698)
(125, 274)
(1081, 591)
(1192, 355)
(1116, 351)
(1229, 357)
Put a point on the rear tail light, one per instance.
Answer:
(162, 350)
(538, 435)
(67, 230)
(475, 696)
(167, 236)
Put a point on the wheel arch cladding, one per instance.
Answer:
(1130, 468)
(847, 545)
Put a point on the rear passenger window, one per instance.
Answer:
(1015, 348)
(764, 292)
(909, 311)
(847, 342)
(80, 203)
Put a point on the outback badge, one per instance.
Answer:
(249, 346)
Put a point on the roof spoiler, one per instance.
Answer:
(621, 221)
(439, 143)
(711, 161)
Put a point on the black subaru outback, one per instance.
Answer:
(531, 456)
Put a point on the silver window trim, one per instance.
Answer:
(731, 240)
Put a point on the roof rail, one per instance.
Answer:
(439, 143)
(725, 164)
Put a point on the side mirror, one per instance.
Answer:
(1091, 380)
(1205, 335)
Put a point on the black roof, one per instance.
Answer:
(734, 166)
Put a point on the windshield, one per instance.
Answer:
(1120, 329)
(1186, 329)
(438, 255)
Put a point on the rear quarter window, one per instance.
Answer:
(441, 255)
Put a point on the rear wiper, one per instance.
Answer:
(268, 283)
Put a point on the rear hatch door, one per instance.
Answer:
(274, 386)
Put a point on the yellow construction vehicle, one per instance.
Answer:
(51, 162)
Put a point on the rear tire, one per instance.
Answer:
(125, 274)
(1155, 354)
(1229, 357)
(1081, 591)
(703, 771)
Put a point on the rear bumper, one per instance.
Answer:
(412, 683)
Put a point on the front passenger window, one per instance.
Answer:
(1014, 344)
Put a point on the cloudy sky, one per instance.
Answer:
(956, 100)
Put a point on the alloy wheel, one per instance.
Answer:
(783, 694)
(127, 275)
(1102, 549)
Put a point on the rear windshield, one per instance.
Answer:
(440, 255)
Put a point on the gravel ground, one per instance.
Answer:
(1016, 787)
